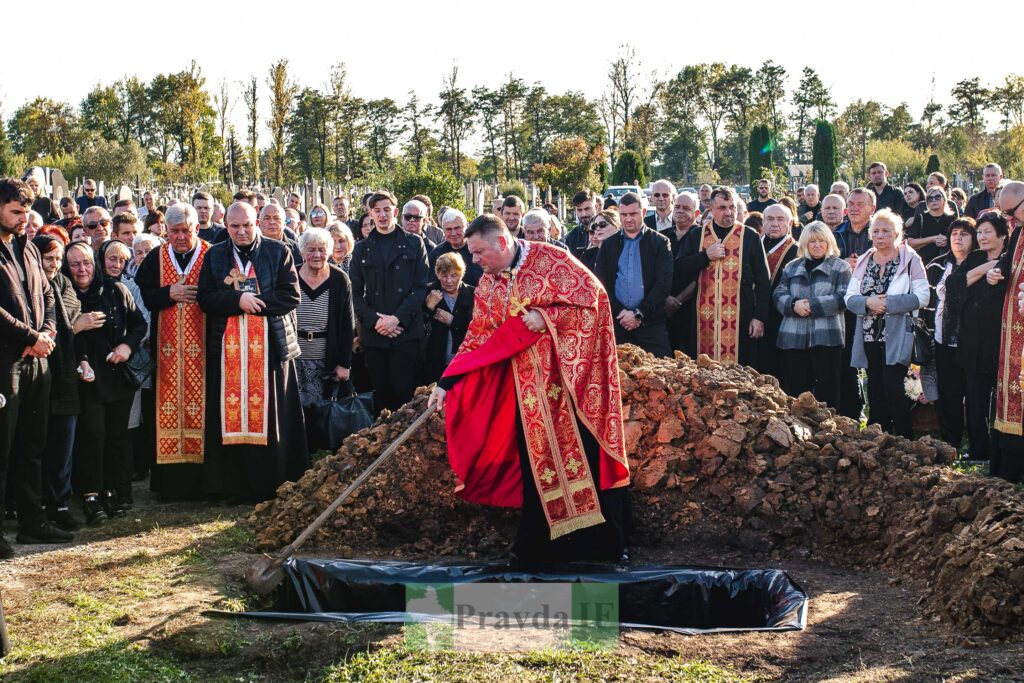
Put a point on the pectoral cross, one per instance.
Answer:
(517, 307)
(235, 278)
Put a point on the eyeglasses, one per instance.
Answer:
(660, 194)
(935, 197)
(598, 226)
(89, 189)
(92, 226)
(318, 214)
(1012, 211)
(412, 217)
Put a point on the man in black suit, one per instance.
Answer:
(28, 328)
(635, 267)
(663, 192)
(992, 175)
(453, 223)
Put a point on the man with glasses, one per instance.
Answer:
(90, 197)
(414, 220)
(203, 203)
(764, 197)
(429, 230)
(96, 222)
(664, 195)
(453, 223)
(1007, 459)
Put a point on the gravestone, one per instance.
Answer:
(60, 185)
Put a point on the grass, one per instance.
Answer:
(388, 665)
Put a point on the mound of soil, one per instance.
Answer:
(719, 454)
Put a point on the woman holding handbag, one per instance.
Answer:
(103, 457)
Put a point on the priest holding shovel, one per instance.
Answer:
(532, 401)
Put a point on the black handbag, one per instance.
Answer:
(338, 416)
(138, 368)
(924, 341)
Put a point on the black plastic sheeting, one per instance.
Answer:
(689, 600)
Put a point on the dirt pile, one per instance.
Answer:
(719, 454)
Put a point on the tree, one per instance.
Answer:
(309, 134)
(571, 165)
(969, 101)
(282, 95)
(812, 101)
(488, 105)
(629, 169)
(769, 87)
(858, 124)
(251, 97)
(420, 141)
(898, 156)
(762, 145)
(385, 127)
(894, 124)
(44, 127)
(455, 114)
(111, 160)
(933, 164)
(513, 101)
(825, 154)
(223, 105)
(701, 86)
(1008, 100)
(6, 154)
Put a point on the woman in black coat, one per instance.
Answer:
(66, 370)
(448, 308)
(103, 457)
(980, 323)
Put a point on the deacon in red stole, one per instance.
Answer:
(1007, 459)
(532, 403)
(249, 290)
(733, 289)
(780, 248)
(168, 279)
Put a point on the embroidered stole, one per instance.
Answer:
(1010, 380)
(243, 370)
(718, 297)
(181, 366)
(776, 255)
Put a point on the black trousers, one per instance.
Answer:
(887, 395)
(26, 385)
(393, 374)
(979, 399)
(851, 399)
(144, 436)
(652, 338)
(1007, 457)
(952, 392)
(103, 454)
(680, 329)
(816, 370)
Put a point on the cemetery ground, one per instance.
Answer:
(126, 603)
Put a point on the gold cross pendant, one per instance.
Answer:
(516, 307)
(234, 278)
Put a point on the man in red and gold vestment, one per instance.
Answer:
(532, 402)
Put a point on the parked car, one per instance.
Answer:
(617, 191)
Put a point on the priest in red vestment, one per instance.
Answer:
(532, 403)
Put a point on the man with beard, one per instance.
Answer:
(28, 328)
(533, 408)
(664, 194)
(764, 197)
(584, 202)
(249, 290)
(733, 295)
(168, 279)
(780, 248)
(886, 196)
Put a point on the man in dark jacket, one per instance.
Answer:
(635, 267)
(90, 198)
(886, 196)
(389, 283)
(992, 175)
(454, 223)
(249, 290)
(27, 332)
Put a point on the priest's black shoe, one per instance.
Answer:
(46, 533)
(111, 505)
(6, 551)
(63, 518)
(94, 513)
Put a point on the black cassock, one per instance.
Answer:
(250, 472)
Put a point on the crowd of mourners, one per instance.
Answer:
(185, 343)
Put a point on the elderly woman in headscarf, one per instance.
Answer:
(103, 456)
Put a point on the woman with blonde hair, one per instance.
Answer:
(811, 298)
(887, 288)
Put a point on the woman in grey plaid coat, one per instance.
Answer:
(810, 298)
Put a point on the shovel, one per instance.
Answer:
(266, 573)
